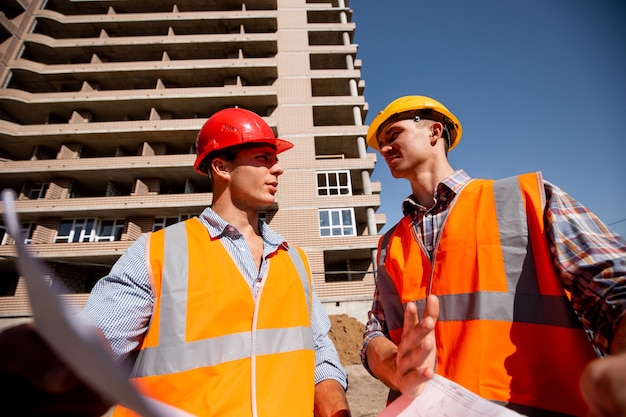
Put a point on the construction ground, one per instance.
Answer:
(366, 395)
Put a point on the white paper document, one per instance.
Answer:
(80, 346)
(442, 397)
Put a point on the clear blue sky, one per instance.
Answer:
(536, 84)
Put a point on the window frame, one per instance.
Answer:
(338, 187)
(162, 222)
(341, 226)
(117, 228)
(38, 190)
(86, 230)
(28, 229)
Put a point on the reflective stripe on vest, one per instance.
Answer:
(174, 354)
(506, 327)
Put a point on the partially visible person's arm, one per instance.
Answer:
(34, 381)
(330, 400)
(331, 380)
(603, 382)
(591, 259)
(121, 303)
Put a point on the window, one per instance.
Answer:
(27, 231)
(38, 190)
(110, 230)
(334, 183)
(76, 230)
(89, 230)
(161, 222)
(337, 222)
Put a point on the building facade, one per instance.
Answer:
(100, 104)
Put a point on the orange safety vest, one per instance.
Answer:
(506, 329)
(211, 348)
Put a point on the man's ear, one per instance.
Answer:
(218, 167)
(436, 132)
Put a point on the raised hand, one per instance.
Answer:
(408, 366)
(416, 358)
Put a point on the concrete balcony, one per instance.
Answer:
(118, 207)
(123, 105)
(331, 162)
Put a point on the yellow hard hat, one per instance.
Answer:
(421, 105)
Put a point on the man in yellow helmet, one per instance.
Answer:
(509, 278)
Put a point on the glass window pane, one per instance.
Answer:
(335, 217)
(324, 221)
(106, 228)
(77, 231)
(118, 233)
(65, 227)
(346, 217)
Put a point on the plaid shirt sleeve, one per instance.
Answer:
(590, 259)
(375, 327)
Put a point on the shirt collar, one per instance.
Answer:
(449, 187)
(219, 228)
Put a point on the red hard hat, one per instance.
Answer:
(232, 127)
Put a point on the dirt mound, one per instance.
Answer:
(347, 334)
(366, 395)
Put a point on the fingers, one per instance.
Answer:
(416, 331)
(416, 357)
(411, 320)
(432, 308)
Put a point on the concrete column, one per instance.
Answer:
(349, 62)
(367, 184)
(361, 146)
(354, 92)
(375, 265)
(346, 38)
(356, 112)
(371, 221)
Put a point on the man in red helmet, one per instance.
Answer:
(218, 313)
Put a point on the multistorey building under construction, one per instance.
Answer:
(100, 104)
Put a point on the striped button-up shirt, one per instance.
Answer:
(589, 258)
(121, 303)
